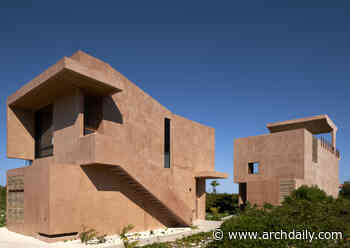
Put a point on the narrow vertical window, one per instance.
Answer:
(167, 143)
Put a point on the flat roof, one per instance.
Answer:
(211, 175)
(65, 75)
(315, 124)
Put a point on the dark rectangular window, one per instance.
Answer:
(92, 113)
(253, 168)
(167, 143)
(314, 149)
(243, 192)
(43, 132)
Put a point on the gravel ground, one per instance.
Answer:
(10, 239)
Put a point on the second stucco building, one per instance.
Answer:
(268, 167)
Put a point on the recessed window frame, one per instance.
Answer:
(167, 143)
(254, 168)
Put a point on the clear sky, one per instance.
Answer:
(232, 65)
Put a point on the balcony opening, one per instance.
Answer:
(253, 168)
(43, 132)
(92, 113)
(167, 143)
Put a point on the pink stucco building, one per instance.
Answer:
(102, 153)
(268, 167)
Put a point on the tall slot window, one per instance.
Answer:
(167, 143)
(92, 113)
(43, 132)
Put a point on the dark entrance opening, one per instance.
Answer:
(242, 195)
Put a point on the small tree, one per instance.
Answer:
(345, 190)
(214, 184)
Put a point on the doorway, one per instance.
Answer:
(200, 199)
(242, 201)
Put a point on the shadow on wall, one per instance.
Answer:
(26, 118)
(111, 111)
(104, 179)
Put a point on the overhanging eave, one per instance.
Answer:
(59, 79)
(211, 175)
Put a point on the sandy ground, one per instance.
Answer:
(13, 240)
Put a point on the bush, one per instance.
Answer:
(196, 240)
(312, 194)
(125, 239)
(157, 245)
(306, 209)
(226, 203)
(215, 214)
(2, 206)
(345, 190)
(90, 235)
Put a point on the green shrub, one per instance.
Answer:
(89, 234)
(308, 208)
(125, 239)
(312, 194)
(2, 206)
(157, 245)
(345, 190)
(215, 213)
(196, 240)
(226, 203)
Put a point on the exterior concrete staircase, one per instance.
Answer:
(150, 182)
(166, 206)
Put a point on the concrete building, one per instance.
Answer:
(268, 167)
(101, 153)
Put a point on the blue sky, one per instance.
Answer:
(232, 65)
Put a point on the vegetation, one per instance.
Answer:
(214, 184)
(123, 235)
(308, 208)
(225, 203)
(345, 190)
(2, 206)
(196, 240)
(89, 235)
(214, 214)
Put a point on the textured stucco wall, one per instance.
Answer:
(279, 154)
(324, 173)
(263, 191)
(20, 133)
(68, 122)
(36, 198)
(94, 197)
